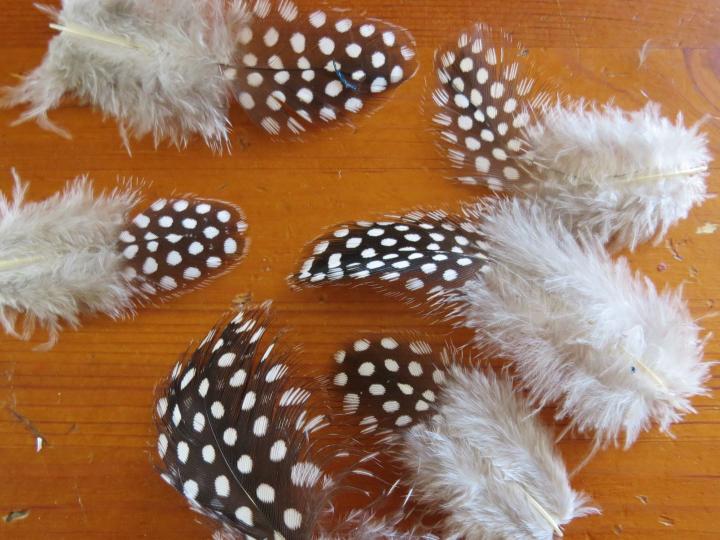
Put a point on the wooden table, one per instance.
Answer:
(91, 396)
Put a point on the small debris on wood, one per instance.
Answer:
(16, 515)
(707, 228)
(40, 440)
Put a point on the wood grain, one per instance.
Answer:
(90, 397)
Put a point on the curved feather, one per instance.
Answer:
(300, 69)
(419, 256)
(245, 437)
(471, 448)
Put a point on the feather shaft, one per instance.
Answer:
(544, 513)
(20, 262)
(96, 36)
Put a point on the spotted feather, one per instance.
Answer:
(299, 69)
(241, 438)
(181, 243)
(390, 383)
(486, 94)
(426, 253)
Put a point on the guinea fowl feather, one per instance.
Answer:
(471, 448)
(170, 68)
(80, 253)
(583, 330)
(246, 438)
(624, 177)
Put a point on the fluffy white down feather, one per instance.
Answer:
(624, 176)
(168, 83)
(584, 331)
(58, 258)
(487, 463)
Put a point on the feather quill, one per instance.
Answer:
(471, 447)
(584, 331)
(79, 253)
(625, 177)
(244, 436)
(170, 67)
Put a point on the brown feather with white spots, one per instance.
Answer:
(243, 435)
(419, 256)
(182, 243)
(297, 69)
(470, 447)
(487, 94)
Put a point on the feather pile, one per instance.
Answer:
(171, 67)
(624, 177)
(471, 448)
(244, 437)
(584, 331)
(79, 253)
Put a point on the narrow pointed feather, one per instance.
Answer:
(584, 331)
(243, 435)
(80, 253)
(625, 177)
(471, 447)
(156, 67)
(418, 256)
(301, 69)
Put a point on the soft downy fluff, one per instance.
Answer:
(78, 252)
(157, 67)
(247, 439)
(471, 448)
(170, 68)
(583, 331)
(625, 177)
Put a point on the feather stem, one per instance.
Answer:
(693, 170)
(642, 365)
(14, 263)
(89, 34)
(544, 513)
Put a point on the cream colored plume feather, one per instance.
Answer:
(584, 331)
(487, 462)
(625, 177)
(59, 257)
(155, 66)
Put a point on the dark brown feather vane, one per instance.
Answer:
(300, 69)
(389, 383)
(181, 243)
(421, 256)
(486, 94)
(236, 433)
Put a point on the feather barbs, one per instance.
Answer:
(78, 253)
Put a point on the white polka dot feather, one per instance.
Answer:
(469, 446)
(389, 383)
(301, 69)
(625, 177)
(243, 435)
(418, 256)
(182, 243)
(80, 253)
(170, 68)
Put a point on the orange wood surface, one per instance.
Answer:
(91, 396)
